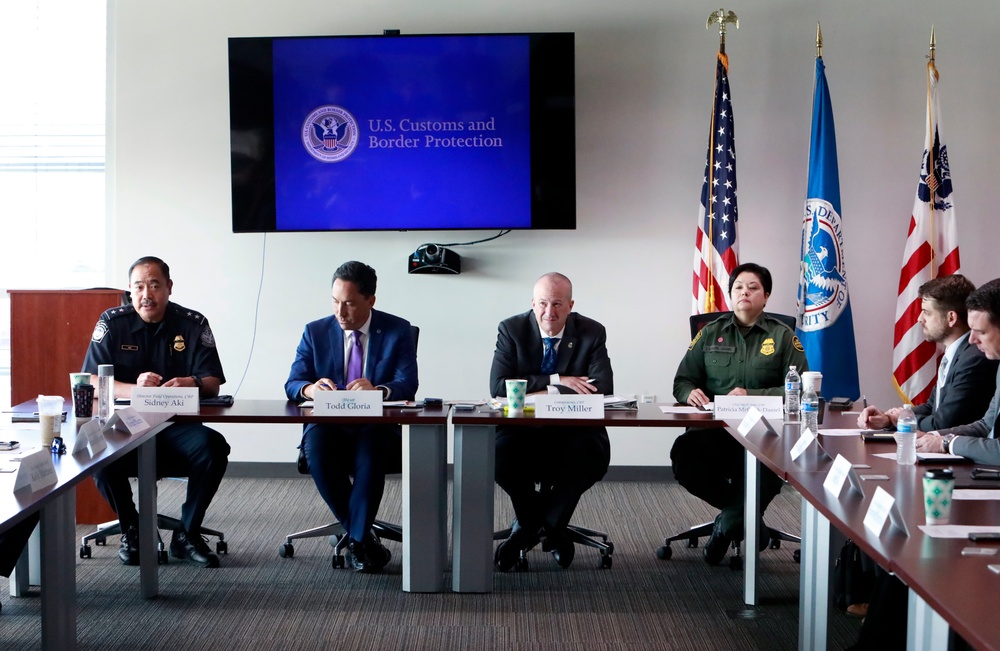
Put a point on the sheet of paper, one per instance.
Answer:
(840, 432)
(975, 494)
(955, 530)
(680, 409)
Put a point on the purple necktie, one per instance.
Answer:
(357, 356)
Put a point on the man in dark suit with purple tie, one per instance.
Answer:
(557, 351)
(356, 349)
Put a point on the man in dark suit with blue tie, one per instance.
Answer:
(356, 349)
(966, 377)
(557, 351)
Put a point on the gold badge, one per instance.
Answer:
(767, 348)
(179, 343)
(797, 344)
(695, 340)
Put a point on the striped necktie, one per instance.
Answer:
(549, 355)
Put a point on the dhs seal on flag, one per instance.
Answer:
(824, 278)
(330, 134)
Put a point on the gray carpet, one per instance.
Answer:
(260, 601)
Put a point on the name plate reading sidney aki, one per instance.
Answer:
(569, 405)
(733, 407)
(173, 400)
(347, 403)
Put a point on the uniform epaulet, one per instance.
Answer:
(185, 313)
(118, 312)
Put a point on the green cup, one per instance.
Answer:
(516, 390)
(938, 486)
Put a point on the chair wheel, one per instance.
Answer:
(736, 563)
(286, 550)
(85, 551)
(692, 542)
(100, 541)
(338, 561)
(334, 541)
(521, 565)
(775, 543)
(222, 547)
(161, 557)
(797, 556)
(605, 563)
(664, 553)
(611, 546)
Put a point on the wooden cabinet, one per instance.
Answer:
(49, 334)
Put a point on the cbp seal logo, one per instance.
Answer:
(330, 134)
(823, 279)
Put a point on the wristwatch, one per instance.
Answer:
(198, 382)
(946, 442)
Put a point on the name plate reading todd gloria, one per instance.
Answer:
(172, 400)
(569, 405)
(733, 407)
(347, 403)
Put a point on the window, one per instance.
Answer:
(52, 116)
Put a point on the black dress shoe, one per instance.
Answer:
(193, 548)
(562, 548)
(509, 551)
(718, 543)
(129, 551)
(377, 554)
(357, 558)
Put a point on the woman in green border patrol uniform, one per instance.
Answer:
(745, 352)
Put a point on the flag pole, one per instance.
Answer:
(931, 177)
(819, 41)
(722, 18)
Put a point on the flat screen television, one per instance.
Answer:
(423, 132)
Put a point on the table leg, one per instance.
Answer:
(425, 507)
(472, 524)
(20, 577)
(814, 579)
(148, 537)
(58, 538)
(751, 516)
(925, 629)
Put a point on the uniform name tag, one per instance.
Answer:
(172, 400)
(566, 405)
(720, 349)
(36, 470)
(347, 403)
(732, 407)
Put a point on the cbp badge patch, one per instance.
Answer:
(207, 338)
(179, 343)
(100, 330)
(797, 344)
(767, 348)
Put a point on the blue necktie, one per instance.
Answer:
(354, 366)
(549, 355)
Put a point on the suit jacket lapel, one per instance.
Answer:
(376, 339)
(567, 346)
(950, 374)
(337, 351)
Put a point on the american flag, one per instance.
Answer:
(716, 250)
(931, 251)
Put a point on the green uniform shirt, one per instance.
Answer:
(720, 358)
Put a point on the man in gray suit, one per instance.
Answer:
(977, 440)
(965, 381)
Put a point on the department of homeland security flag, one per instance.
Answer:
(825, 324)
(716, 250)
(931, 251)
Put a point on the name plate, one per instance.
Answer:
(884, 507)
(347, 403)
(732, 407)
(569, 405)
(802, 444)
(131, 421)
(36, 470)
(171, 400)
(90, 434)
(842, 471)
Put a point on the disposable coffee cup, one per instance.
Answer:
(812, 379)
(939, 483)
(516, 389)
(77, 379)
(50, 417)
(83, 400)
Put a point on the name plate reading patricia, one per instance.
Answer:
(347, 403)
(569, 405)
(36, 470)
(732, 407)
(173, 400)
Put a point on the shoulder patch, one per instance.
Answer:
(207, 338)
(100, 330)
(797, 344)
(695, 340)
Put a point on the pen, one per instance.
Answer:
(326, 387)
(864, 401)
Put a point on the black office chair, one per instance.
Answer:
(337, 534)
(165, 522)
(697, 322)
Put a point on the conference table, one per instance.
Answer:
(945, 587)
(56, 505)
(474, 456)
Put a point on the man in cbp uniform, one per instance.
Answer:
(156, 343)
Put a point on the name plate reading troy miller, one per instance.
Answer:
(347, 403)
(173, 400)
(569, 405)
(733, 407)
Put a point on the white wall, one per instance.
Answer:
(644, 84)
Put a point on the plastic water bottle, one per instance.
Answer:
(793, 387)
(906, 437)
(810, 410)
(105, 392)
